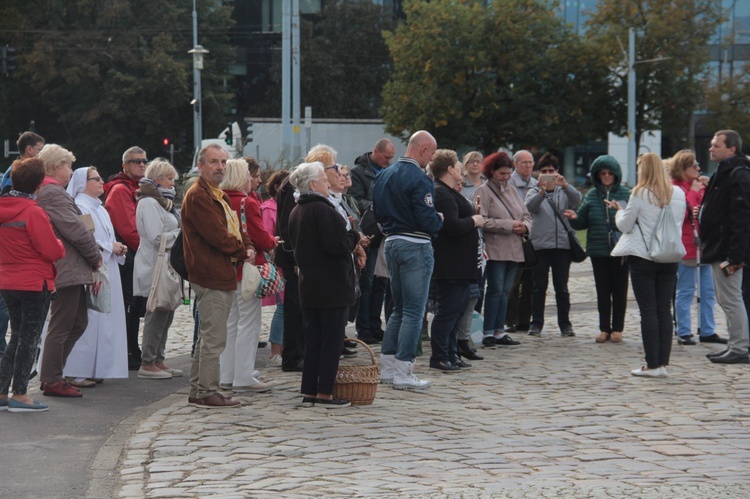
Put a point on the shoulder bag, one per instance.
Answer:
(579, 254)
(530, 259)
(166, 285)
(99, 293)
(270, 281)
(666, 241)
(613, 235)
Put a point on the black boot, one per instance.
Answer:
(465, 351)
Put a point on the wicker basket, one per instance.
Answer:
(358, 384)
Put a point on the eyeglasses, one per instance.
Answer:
(138, 161)
(605, 173)
(335, 167)
(96, 179)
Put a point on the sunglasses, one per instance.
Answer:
(334, 167)
(137, 161)
(605, 173)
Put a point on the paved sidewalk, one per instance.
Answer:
(554, 417)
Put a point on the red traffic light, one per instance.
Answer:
(165, 142)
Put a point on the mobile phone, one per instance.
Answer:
(548, 179)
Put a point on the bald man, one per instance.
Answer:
(403, 206)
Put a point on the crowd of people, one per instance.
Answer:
(470, 236)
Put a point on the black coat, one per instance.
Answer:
(457, 244)
(284, 206)
(725, 217)
(323, 251)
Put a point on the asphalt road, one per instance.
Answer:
(50, 454)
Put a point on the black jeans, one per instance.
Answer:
(28, 310)
(653, 286)
(294, 336)
(135, 307)
(611, 279)
(372, 290)
(324, 336)
(519, 301)
(559, 261)
(451, 300)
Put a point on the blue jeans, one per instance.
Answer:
(410, 268)
(684, 300)
(500, 277)
(276, 336)
(450, 301)
(4, 318)
(653, 287)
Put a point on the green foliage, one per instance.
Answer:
(344, 62)
(669, 90)
(727, 103)
(508, 73)
(98, 77)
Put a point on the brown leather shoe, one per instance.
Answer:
(616, 337)
(61, 389)
(217, 401)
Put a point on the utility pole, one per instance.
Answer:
(296, 149)
(286, 38)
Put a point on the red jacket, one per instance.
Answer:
(120, 204)
(28, 246)
(261, 239)
(693, 199)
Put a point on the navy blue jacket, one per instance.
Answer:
(403, 201)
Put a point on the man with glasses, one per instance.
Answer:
(121, 202)
(366, 168)
(519, 301)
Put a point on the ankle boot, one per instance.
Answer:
(387, 363)
(404, 378)
(465, 350)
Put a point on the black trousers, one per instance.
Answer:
(653, 286)
(559, 261)
(611, 279)
(451, 300)
(324, 336)
(28, 310)
(519, 301)
(135, 307)
(294, 335)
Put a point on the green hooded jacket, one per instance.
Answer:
(592, 213)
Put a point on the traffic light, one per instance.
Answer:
(8, 60)
(249, 130)
(228, 136)
(165, 142)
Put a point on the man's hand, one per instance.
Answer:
(360, 257)
(364, 241)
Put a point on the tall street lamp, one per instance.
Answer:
(197, 52)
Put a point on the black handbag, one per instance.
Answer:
(530, 259)
(579, 254)
(613, 235)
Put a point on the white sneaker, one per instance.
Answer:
(254, 386)
(274, 361)
(386, 369)
(644, 372)
(404, 378)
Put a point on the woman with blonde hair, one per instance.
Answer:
(686, 174)
(155, 217)
(473, 175)
(653, 282)
(237, 361)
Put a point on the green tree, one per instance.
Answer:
(484, 76)
(344, 62)
(727, 103)
(98, 77)
(668, 90)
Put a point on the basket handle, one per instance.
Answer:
(369, 350)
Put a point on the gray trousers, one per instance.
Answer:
(155, 330)
(213, 307)
(729, 297)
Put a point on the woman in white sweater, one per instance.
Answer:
(653, 282)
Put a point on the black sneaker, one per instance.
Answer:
(489, 342)
(506, 341)
(568, 332)
(461, 364)
(333, 403)
(350, 344)
(686, 340)
(535, 331)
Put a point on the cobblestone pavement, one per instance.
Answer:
(553, 417)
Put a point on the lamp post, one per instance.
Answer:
(197, 52)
